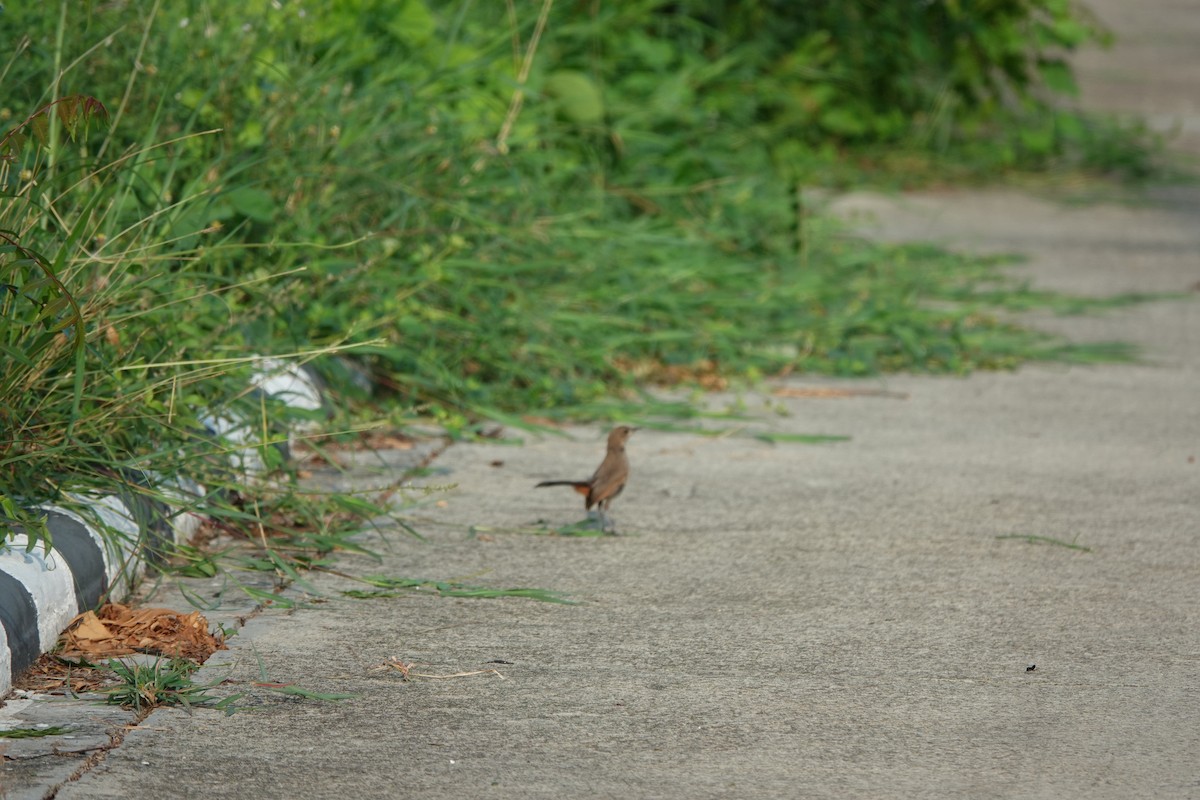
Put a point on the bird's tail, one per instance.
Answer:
(580, 486)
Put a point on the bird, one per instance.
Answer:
(609, 479)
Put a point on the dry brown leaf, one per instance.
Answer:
(406, 673)
(117, 630)
(49, 673)
(705, 372)
(90, 628)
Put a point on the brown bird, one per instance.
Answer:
(609, 479)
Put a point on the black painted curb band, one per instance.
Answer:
(75, 544)
(18, 614)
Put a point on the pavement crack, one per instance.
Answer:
(115, 738)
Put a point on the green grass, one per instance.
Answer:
(292, 690)
(396, 587)
(166, 682)
(1077, 150)
(171, 682)
(1032, 538)
(34, 733)
(431, 203)
(583, 529)
(799, 438)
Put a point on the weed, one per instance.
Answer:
(799, 438)
(1036, 539)
(165, 682)
(584, 529)
(488, 236)
(529, 255)
(33, 733)
(395, 587)
(292, 690)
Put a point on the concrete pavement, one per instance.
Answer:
(832, 621)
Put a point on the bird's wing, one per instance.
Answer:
(608, 481)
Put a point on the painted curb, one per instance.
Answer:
(41, 592)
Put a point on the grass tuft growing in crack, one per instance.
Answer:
(165, 682)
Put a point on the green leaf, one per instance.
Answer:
(256, 204)
(1057, 76)
(413, 24)
(578, 96)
